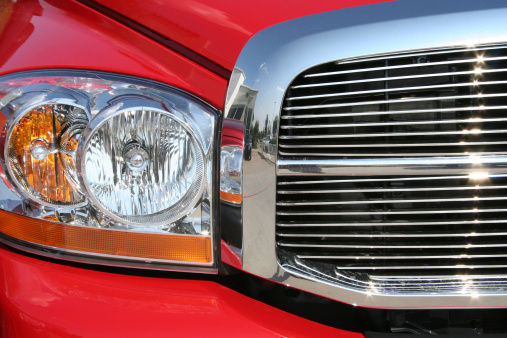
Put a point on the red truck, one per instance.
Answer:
(220, 168)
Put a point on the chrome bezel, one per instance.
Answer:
(275, 56)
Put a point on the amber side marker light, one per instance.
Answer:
(229, 197)
(108, 242)
(231, 161)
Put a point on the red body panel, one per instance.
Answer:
(232, 133)
(43, 299)
(65, 34)
(218, 29)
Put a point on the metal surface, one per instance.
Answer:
(275, 56)
(394, 78)
(335, 105)
(461, 132)
(383, 124)
(454, 248)
(417, 65)
(393, 166)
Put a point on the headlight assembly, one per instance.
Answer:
(107, 167)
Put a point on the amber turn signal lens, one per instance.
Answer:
(42, 145)
(108, 242)
(230, 197)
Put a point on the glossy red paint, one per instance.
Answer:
(228, 255)
(65, 34)
(43, 299)
(232, 133)
(218, 29)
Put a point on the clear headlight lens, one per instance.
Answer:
(121, 167)
(231, 162)
(142, 165)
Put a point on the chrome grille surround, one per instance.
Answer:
(272, 60)
(379, 230)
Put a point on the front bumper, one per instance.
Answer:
(44, 299)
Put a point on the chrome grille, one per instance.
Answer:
(385, 223)
(389, 228)
(435, 103)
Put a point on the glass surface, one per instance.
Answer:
(142, 163)
(231, 159)
(120, 166)
(41, 153)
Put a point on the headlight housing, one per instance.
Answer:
(107, 166)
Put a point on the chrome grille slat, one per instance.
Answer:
(386, 155)
(462, 132)
(418, 267)
(398, 166)
(368, 180)
(413, 212)
(384, 124)
(431, 200)
(395, 101)
(444, 63)
(391, 90)
(395, 112)
(426, 53)
(445, 280)
(343, 191)
(391, 235)
(437, 277)
(461, 144)
(395, 78)
(464, 257)
(383, 224)
(392, 171)
(352, 246)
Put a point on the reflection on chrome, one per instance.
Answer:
(415, 126)
(478, 176)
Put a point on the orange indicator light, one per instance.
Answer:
(108, 242)
(229, 197)
(35, 156)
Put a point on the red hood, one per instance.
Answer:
(218, 29)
